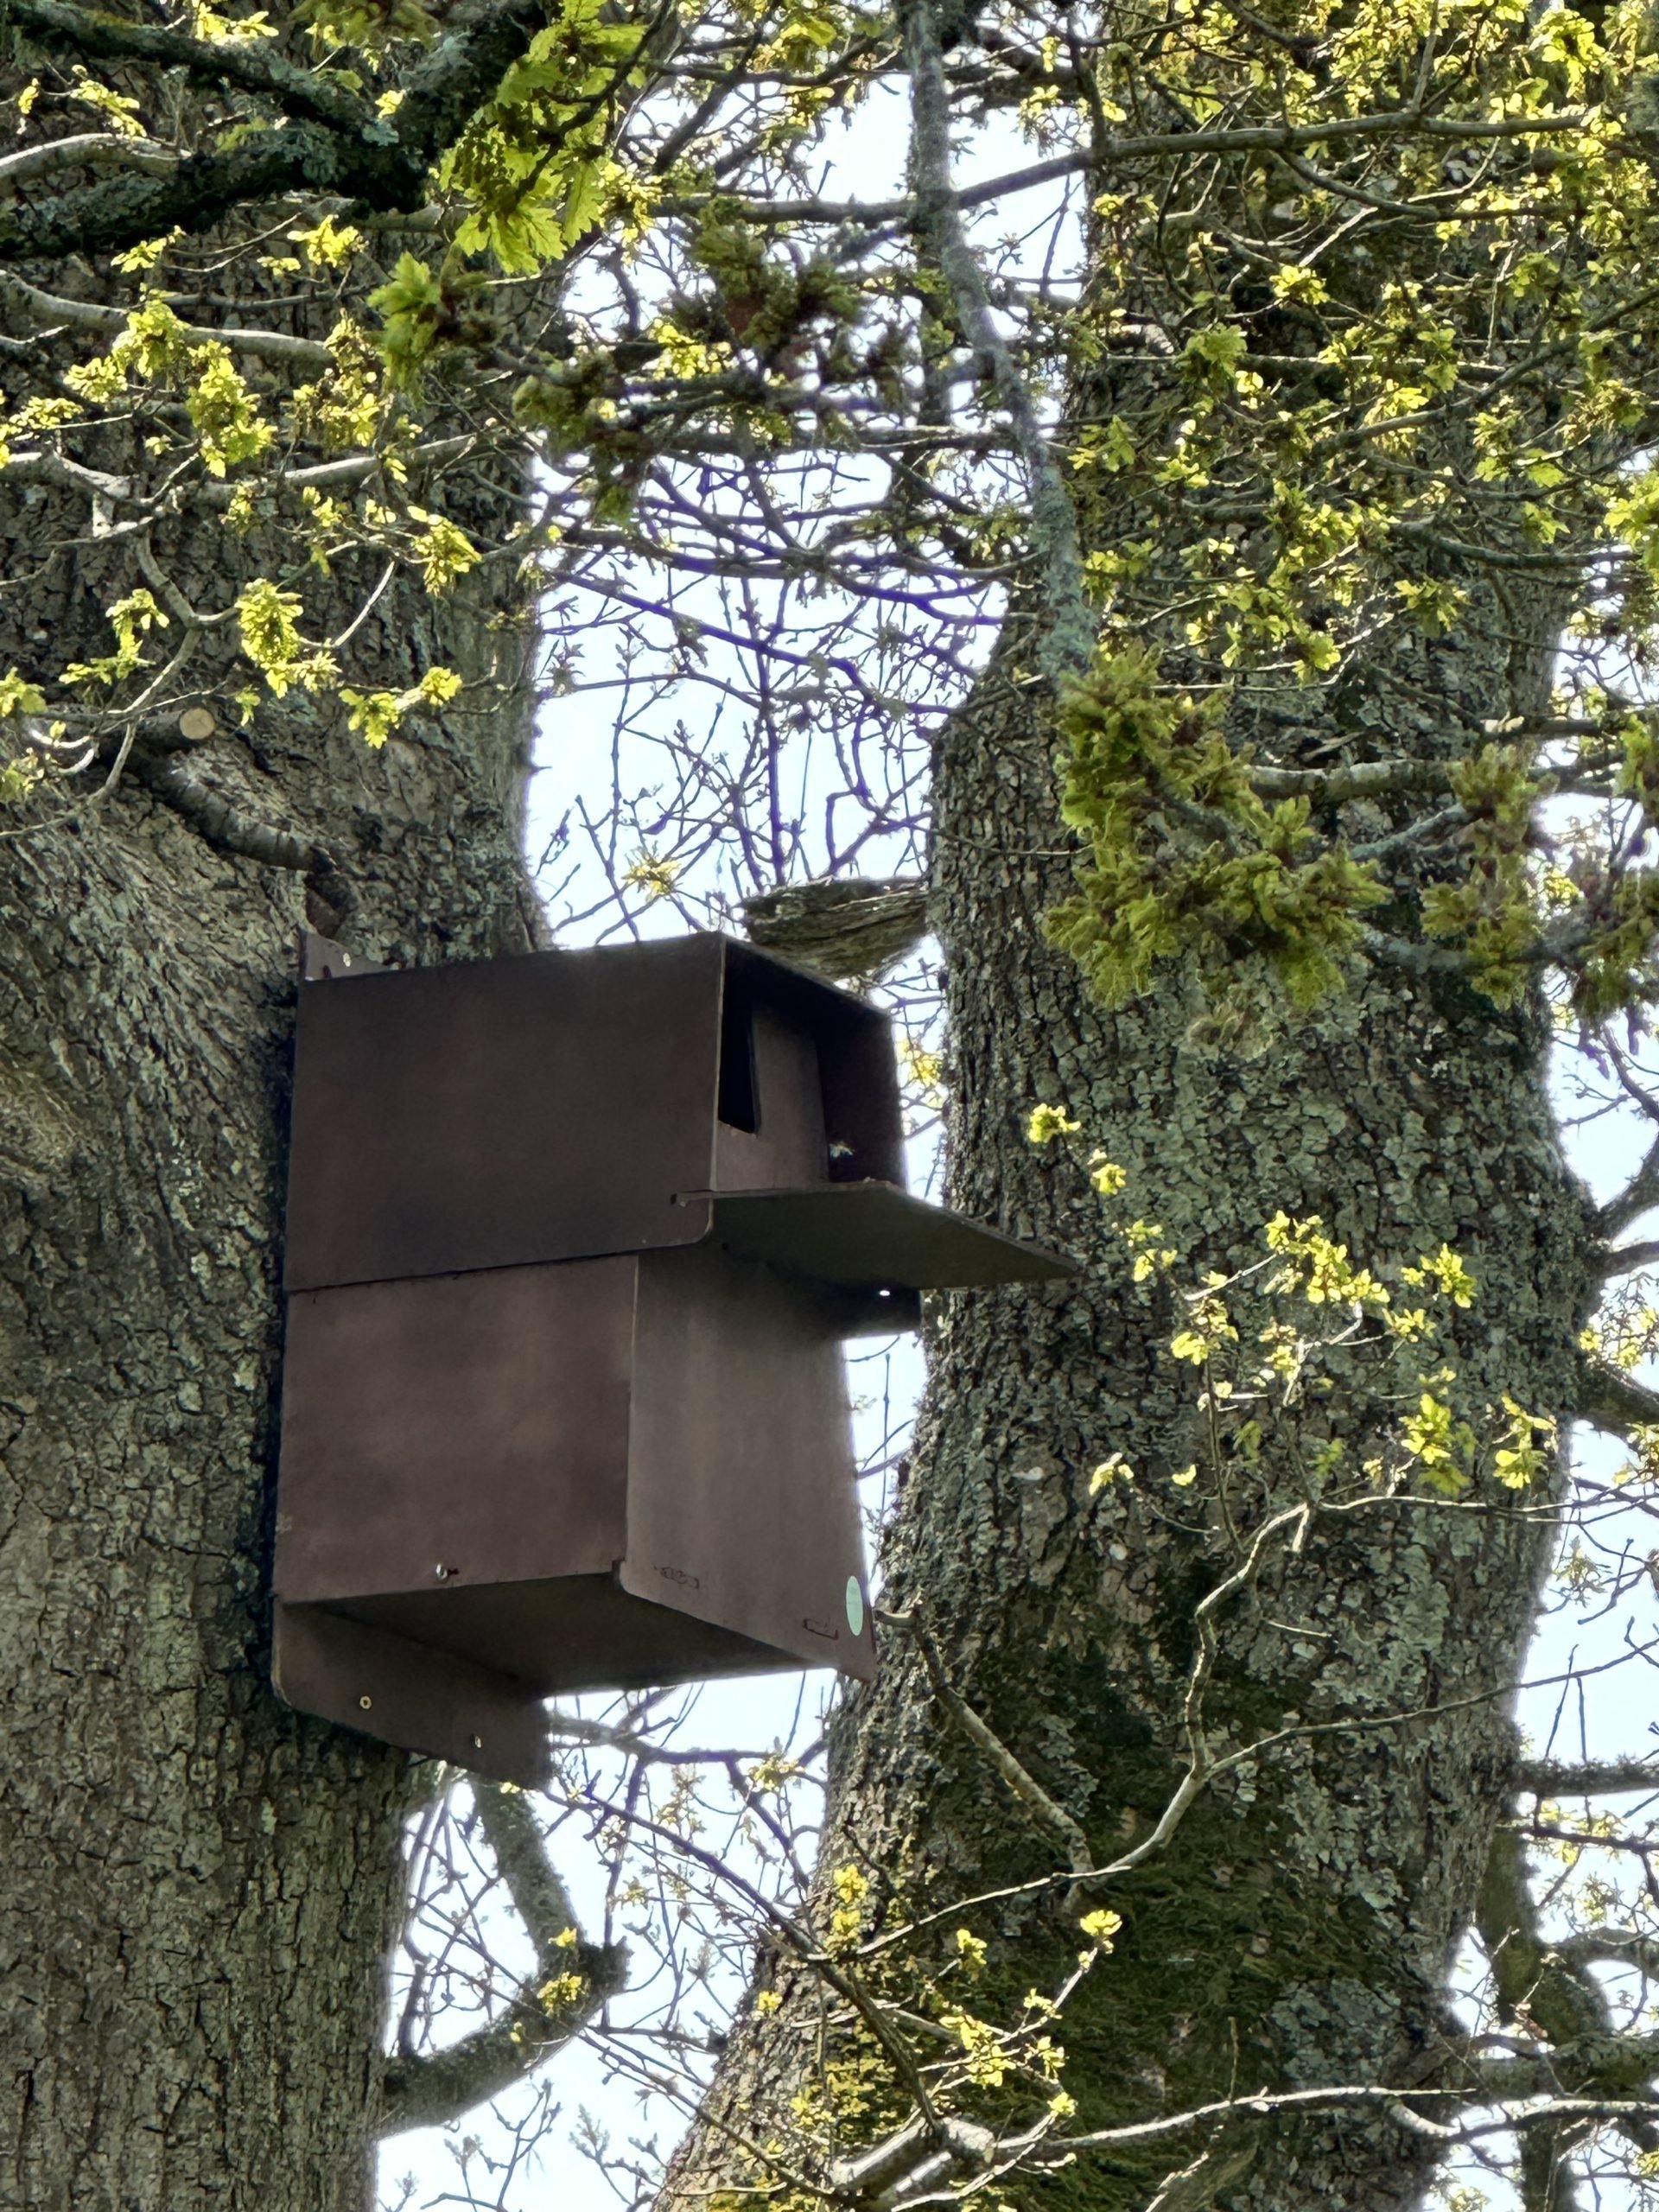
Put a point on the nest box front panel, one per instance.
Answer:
(454, 1432)
(742, 1509)
(501, 1112)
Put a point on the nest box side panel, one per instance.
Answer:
(502, 1112)
(406, 1694)
(742, 1506)
(454, 1431)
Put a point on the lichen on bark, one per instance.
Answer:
(202, 1889)
(1298, 1929)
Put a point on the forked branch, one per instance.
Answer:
(572, 1981)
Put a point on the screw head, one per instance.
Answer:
(366, 1703)
(442, 1572)
(478, 1743)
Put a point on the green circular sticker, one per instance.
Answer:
(855, 1605)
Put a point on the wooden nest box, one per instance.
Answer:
(573, 1241)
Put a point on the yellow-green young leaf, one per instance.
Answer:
(207, 23)
(224, 413)
(17, 696)
(373, 714)
(1100, 1927)
(652, 873)
(971, 1950)
(1447, 1271)
(1048, 1122)
(20, 776)
(118, 112)
(1528, 1454)
(267, 619)
(145, 255)
(410, 304)
(444, 551)
(584, 202)
(327, 243)
(561, 1992)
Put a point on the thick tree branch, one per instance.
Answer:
(1638, 1194)
(439, 2085)
(249, 65)
(1531, 1987)
(1557, 1999)
(265, 344)
(1615, 1401)
(1625, 1259)
(1639, 1846)
(845, 926)
(104, 219)
(1337, 787)
(539, 1897)
(574, 1978)
(332, 143)
(86, 149)
(480, 45)
(1556, 1779)
(228, 830)
(1612, 1947)
(1557, 945)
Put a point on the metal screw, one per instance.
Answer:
(366, 1703)
(478, 1743)
(442, 1574)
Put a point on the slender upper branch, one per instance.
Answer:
(1069, 626)
(1108, 152)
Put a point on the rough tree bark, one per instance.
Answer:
(201, 1889)
(191, 1872)
(1297, 1930)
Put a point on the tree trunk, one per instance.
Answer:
(202, 1888)
(1298, 1930)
